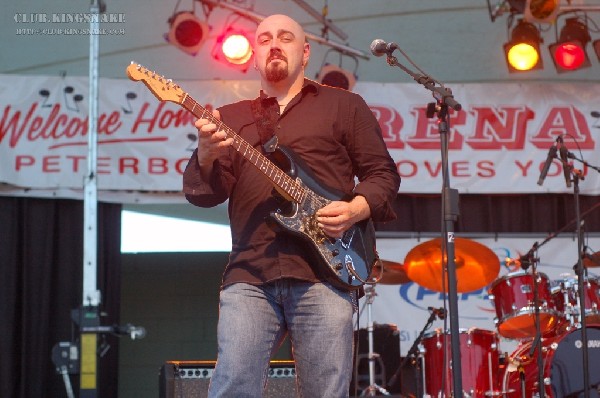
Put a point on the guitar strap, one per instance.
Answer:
(265, 112)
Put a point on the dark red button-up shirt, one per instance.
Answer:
(335, 133)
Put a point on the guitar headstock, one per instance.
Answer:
(164, 89)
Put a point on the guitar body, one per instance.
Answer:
(349, 260)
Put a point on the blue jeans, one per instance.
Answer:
(253, 321)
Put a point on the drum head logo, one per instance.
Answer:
(578, 344)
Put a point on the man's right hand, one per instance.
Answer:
(210, 142)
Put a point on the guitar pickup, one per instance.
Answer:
(346, 239)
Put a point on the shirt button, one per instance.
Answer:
(279, 126)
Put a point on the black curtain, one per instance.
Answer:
(543, 213)
(41, 274)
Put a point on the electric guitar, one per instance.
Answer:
(346, 262)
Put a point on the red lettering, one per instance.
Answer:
(486, 169)
(77, 161)
(565, 120)
(460, 169)
(157, 166)
(150, 121)
(181, 164)
(103, 165)
(390, 122)
(524, 167)
(427, 135)
(500, 128)
(50, 164)
(129, 163)
(433, 172)
(12, 125)
(407, 164)
(109, 124)
(23, 161)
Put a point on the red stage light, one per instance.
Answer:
(234, 49)
(569, 52)
(187, 32)
(569, 55)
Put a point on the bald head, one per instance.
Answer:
(281, 50)
(280, 21)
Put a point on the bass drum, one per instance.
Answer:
(479, 354)
(563, 367)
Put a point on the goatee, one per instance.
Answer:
(276, 73)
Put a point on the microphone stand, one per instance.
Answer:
(450, 208)
(577, 175)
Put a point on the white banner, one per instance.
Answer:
(406, 305)
(498, 142)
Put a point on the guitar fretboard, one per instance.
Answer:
(277, 176)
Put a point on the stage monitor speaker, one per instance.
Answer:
(190, 379)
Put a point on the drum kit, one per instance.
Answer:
(530, 310)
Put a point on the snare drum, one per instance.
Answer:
(479, 355)
(513, 299)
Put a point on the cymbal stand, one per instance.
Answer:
(531, 259)
(373, 387)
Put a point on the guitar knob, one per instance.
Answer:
(338, 266)
(335, 252)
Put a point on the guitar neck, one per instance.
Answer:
(282, 181)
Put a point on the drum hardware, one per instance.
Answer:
(373, 387)
(391, 273)
(413, 353)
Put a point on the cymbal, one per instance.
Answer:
(476, 265)
(591, 260)
(392, 273)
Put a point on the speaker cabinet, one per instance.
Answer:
(190, 379)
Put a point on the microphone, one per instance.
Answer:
(439, 312)
(523, 262)
(564, 157)
(134, 332)
(379, 47)
(549, 158)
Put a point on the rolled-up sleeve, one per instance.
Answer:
(378, 176)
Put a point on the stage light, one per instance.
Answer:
(538, 11)
(234, 49)
(187, 32)
(522, 52)
(336, 76)
(569, 52)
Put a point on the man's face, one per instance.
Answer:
(281, 50)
